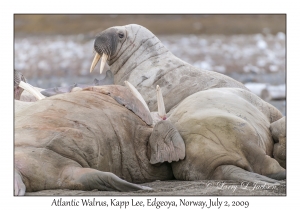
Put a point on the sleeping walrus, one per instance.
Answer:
(91, 139)
(227, 136)
(97, 138)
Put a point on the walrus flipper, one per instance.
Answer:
(278, 131)
(108, 80)
(166, 143)
(20, 187)
(231, 172)
(90, 179)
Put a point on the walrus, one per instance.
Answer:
(136, 55)
(24, 95)
(101, 137)
(201, 138)
(227, 136)
(65, 142)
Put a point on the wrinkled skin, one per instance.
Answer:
(139, 57)
(87, 140)
(222, 141)
(278, 130)
(227, 136)
(215, 149)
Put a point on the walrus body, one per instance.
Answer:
(87, 140)
(72, 141)
(227, 136)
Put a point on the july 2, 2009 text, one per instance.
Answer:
(156, 203)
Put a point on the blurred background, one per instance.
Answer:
(57, 50)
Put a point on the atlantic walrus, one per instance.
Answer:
(136, 55)
(66, 137)
(96, 138)
(63, 120)
(227, 136)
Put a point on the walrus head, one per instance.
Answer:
(18, 77)
(20, 84)
(117, 44)
(107, 44)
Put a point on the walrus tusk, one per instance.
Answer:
(136, 93)
(103, 61)
(160, 103)
(31, 90)
(95, 61)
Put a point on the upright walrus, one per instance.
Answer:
(226, 128)
(135, 54)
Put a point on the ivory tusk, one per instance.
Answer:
(103, 61)
(95, 61)
(160, 103)
(31, 90)
(136, 93)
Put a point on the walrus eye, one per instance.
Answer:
(121, 35)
